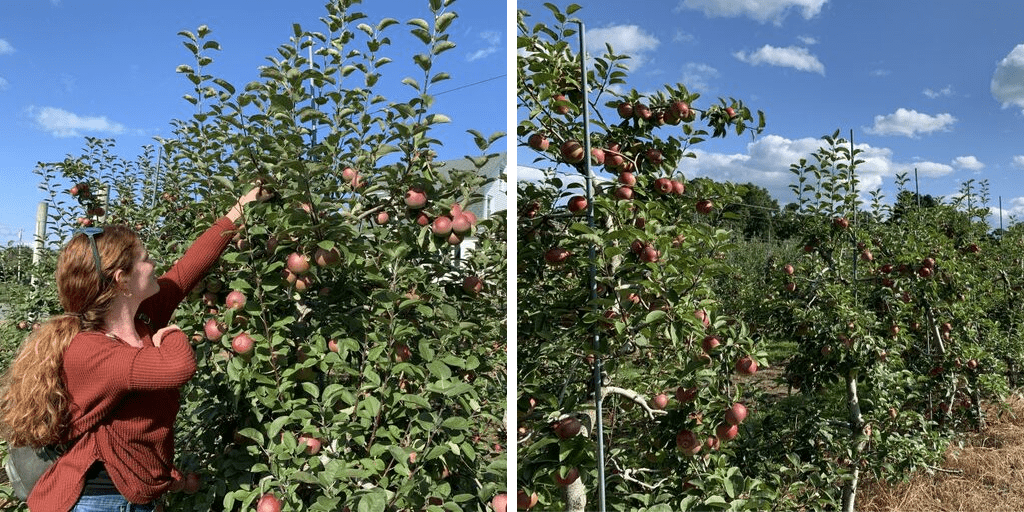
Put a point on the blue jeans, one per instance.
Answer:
(110, 503)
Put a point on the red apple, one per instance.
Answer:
(567, 427)
(382, 218)
(213, 329)
(538, 142)
(654, 156)
(313, 444)
(415, 198)
(704, 206)
(461, 224)
(556, 256)
(422, 219)
(298, 263)
(687, 441)
(242, 343)
(841, 222)
(577, 204)
(526, 501)
(559, 101)
(402, 352)
(627, 178)
(788, 269)
(596, 156)
(678, 187)
(746, 366)
(472, 285)
(642, 111)
(268, 503)
(659, 401)
(442, 226)
(703, 317)
(572, 151)
(736, 414)
(726, 432)
(686, 395)
(500, 502)
(663, 185)
(570, 476)
(710, 343)
(680, 109)
(625, 110)
(191, 484)
(235, 300)
(332, 345)
(624, 193)
(649, 254)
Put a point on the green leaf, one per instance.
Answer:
(372, 502)
(456, 423)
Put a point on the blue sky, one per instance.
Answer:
(932, 85)
(71, 69)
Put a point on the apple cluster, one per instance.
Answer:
(452, 227)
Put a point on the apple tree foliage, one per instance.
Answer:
(376, 379)
(655, 252)
(900, 316)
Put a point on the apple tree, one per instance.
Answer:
(351, 339)
(888, 310)
(621, 277)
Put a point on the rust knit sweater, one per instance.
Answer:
(124, 400)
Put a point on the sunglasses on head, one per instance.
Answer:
(91, 233)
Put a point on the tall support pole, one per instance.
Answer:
(40, 241)
(598, 415)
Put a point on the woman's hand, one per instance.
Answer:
(158, 338)
(250, 196)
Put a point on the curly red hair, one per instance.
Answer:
(33, 400)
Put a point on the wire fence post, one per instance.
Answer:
(598, 415)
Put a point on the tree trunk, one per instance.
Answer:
(857, 433)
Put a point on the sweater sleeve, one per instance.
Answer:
(168, 366)
(187, 272)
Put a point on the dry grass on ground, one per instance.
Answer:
(986, 475)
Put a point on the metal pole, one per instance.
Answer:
(598, 421)
(917, 189)
(37, 252)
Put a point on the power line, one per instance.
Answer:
(472, 84)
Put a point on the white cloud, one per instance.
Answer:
(1008, 80)
(61, 123)
(625, 39)
(790, 57)
(767, 161)
(683, 37)
(762, 11)
(880, 72)
(1018, 161)
(3, 83)
(970, 163)
(910, 123)
(946, 91)
(5, 47)
(808, 40)
(493, 40)
(696, 76)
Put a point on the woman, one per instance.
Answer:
(104, 377)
